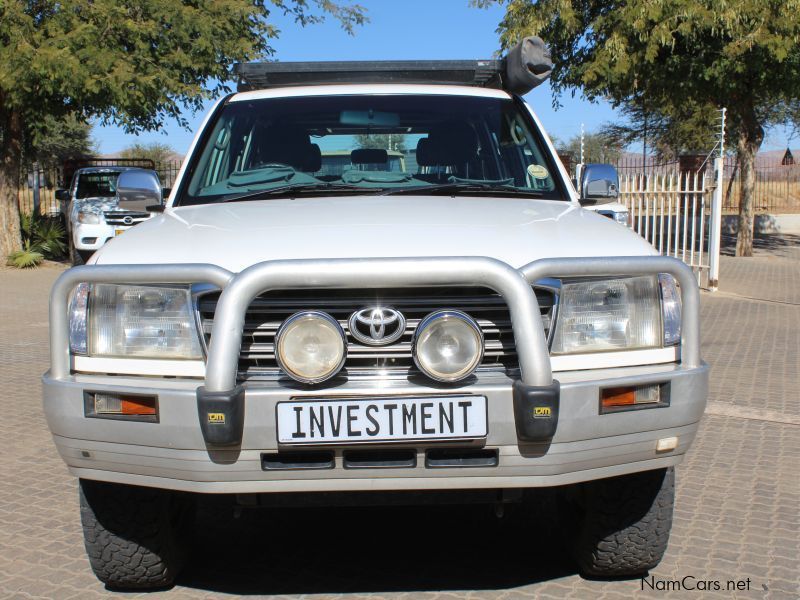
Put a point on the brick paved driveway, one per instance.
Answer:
(737, 515)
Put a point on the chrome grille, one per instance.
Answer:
(118, 217)
(267, 312)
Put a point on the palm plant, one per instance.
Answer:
(42, 238)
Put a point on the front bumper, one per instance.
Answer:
(92, 237)
(175, 454)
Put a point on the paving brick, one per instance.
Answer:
(736, 512)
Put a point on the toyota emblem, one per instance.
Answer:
(377, 326)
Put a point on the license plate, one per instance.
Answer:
(119, 232)
(348, 421)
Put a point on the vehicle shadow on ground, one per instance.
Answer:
(386, 549)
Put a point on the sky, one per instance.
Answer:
(407, 30)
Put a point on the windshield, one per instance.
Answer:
(318, 145)
(96, 185)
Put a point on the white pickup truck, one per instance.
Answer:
(92, 212)
(458, 325)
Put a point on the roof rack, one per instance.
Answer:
(526, 66)
(482, 73)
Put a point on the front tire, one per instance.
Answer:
(622, 524)
(76, 256)
(136, 538)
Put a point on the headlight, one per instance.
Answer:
(670, 309)
(607, 315)
(622, 217)
(310, 346)
(448, 345)
(127, 321)
(89, 217)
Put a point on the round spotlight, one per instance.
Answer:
(448, 345)
(310, 346)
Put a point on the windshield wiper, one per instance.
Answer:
(299, 187)
(472, 187)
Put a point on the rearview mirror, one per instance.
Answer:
(599, 184)
(62, 195)
(369, 118)
(138, 190)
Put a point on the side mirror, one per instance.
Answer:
(62, 195)
(599, 184)
(138, 189)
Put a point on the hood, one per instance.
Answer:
(95, 204)
(238, 234)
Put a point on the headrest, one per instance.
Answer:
(313, 162)
(288, 145)
(369, 156)
(424, 155)
(451, 143)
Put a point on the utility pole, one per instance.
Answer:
(715, 233)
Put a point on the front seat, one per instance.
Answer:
(287, 145)
(454, 144)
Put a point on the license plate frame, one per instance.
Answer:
(473, 419)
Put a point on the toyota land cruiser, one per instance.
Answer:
(450, 322)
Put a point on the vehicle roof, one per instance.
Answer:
(368, 89)
(105, 169)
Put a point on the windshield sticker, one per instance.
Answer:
(538, 172)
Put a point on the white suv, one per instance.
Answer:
(92, 213)
(461, 325)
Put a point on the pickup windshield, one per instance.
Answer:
(368, 144)
(97, 185)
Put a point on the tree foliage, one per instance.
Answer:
(741, 54)
(693, 129)
(156, 151)
(52, 139)
(598, 147)
(132, 63)
(387, 141)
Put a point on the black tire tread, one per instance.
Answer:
(626, 523)
(130, 536)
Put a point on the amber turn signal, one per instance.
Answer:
(625, 397)
(122, 406)
(618, 396)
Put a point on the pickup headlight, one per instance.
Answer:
(89, 217)
(607, 315)
(127, 321)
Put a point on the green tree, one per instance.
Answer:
(132, 63)
(741, 54)
(156, 151)
(691, 129)
(386, 141)
(53, 140)
(597, 148)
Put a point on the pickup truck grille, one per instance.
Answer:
(118, 217)
(267, 312)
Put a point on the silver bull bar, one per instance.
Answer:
(239, 290)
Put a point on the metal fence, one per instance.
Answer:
(48, 179)
(671, 210)
(777, 186)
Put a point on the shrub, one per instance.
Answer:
(42, 238)
(27, 258)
